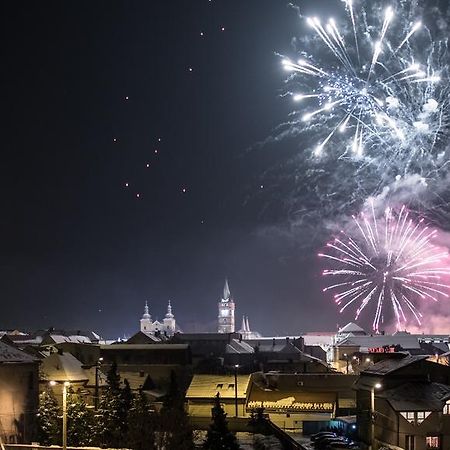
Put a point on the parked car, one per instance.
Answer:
(315, 437)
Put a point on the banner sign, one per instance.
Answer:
(290, 404)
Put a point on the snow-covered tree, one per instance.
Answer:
(219, 436)
(80, 422)
(109, 421)
(49, 421)
(141, 425)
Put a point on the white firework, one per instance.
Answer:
(373, 89)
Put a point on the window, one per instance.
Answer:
(433, 442)
(409, 442)
(219, 386)
(231, 386)
(447, 408)
(415, 418)
(224, 312)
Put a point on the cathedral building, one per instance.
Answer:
(167, 326)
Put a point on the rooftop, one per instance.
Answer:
(417, 396)
(207, 386)
(390, 365)
(10, 354)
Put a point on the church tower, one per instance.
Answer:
(169, 321)
(146, 321)
(226, 311)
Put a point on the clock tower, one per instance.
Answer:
(226, 311)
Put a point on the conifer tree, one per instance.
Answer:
(219, 437)
(80, 421)
(49, 422)
(109, 423)
(141, 425)
(175, 428)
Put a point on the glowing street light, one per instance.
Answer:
(65, 384)
(372, 413)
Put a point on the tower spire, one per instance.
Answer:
(146, 313)
(226, 290)
(243, 329)
(247, 325)
(169, 314)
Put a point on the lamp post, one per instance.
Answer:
(346, 364)
(66, 384)
(236, 367)
(99, 362)
(372, 413)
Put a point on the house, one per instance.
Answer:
(19, 394)
(302, 402)
(203, 388)
(405, 402)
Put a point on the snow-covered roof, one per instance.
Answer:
(207, 386)
(10, 354)
(63, 367)
(352, 328)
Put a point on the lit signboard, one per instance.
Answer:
(385, 349)
(290, 404)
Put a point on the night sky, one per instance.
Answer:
(130, 169)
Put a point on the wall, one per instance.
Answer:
(19, 399)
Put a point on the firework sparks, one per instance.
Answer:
(377, 79)
(387, 261)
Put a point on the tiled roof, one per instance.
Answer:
(390, 365)
(10, 354)
(417, 396)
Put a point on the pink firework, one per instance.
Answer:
(389, 262)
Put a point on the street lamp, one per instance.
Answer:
(372, 413)
(236, 367)
(346, 358)
(99, 362)
(66, 384)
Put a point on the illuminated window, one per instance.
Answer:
(447, 408)
(224, 312)
(415, 418)
(433, 442)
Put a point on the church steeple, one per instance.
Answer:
(226, 311)
(169, 314)
(146, 314)
(146, 321)
(169, 321)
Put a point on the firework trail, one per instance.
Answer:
(389, 262)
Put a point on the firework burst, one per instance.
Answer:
(376, 84)
(389, 262)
